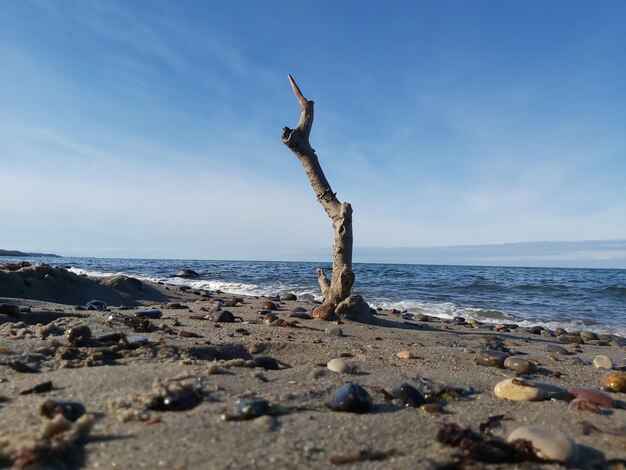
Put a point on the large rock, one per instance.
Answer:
(187, 273)
(354, 308)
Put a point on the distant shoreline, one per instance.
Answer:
(30, 255)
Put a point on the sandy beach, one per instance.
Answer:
(161, 391)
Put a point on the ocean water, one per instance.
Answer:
(593, 299)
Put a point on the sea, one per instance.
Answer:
(575, 299)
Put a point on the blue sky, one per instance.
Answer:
(152, 128)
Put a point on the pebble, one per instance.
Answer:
(594, 396)
(334, 331)
(268, 305)
(549, 444)
(151, 313)
(520, 365)
(351, 398)
(553, 348)
(602, 362)
(570, 339)
(301, 315)
(405, 355)
(10, 310)
(490, 358)
(580, 404)
(338, 365)
(614, 382)
(518, 390)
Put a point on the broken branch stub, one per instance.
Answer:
(338, 288)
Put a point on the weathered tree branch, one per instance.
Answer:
(338, 289)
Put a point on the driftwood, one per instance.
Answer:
(338, 288)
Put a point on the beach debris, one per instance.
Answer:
(614, 382)
(79, 335)
(10, 310)
(98, 305)
(338, 365)
(602, 362)
(405, 355)
(520, 365)
(592, 395)
(478, 447)
(547, 443)
(150, 313)
(70, 410)
(52, 444)
(22, 367)
(251, 408)
(139, 324)
(176, 394)
(490, 358)
(518, 390)
(363, 456)
(351, 397)
(186, 273)
(492, 422)
(43, 387)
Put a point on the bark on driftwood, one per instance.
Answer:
(338, 288)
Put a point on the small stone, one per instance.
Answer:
(338, 365)
(518, 390)
(614, 382)
(594, 396)
(553, 348)
(570, 339)
(266, 421)
(520, 365)
(301, 315)
(334, 331)
(602, 362)
(490, 358)
(151, 313)
(549, 444)
(268, 305)
(405, 355)
(10, 310)
(351, 398)
(580, 404)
